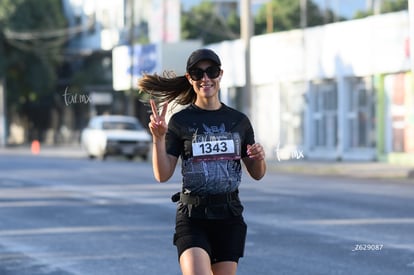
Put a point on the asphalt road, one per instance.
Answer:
(67, 216)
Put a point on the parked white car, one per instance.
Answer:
(115, 135)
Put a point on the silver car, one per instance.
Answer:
(115, 135)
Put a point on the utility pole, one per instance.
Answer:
(130, 96)
(269, 17)
(3, 99)
(411, 36)
(377, 7)
(246, 33)
(303, 14)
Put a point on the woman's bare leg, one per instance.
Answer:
(195, 261)
(224, 268)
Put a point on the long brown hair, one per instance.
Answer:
(168, 87)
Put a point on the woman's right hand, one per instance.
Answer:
(158, 125)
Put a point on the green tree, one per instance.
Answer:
(204, 22)
(285, 15)
(386, 7)
(394, 5)
(33, 48)
(32, 37)
(7, 7)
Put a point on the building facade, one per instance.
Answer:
(341, 91)
(99, 27)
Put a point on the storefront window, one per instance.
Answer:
(360, 116)
(292, 105)
(324, 114)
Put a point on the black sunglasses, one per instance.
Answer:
(197, 73)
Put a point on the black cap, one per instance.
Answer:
(202, 54)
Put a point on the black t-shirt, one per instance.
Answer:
(211, 144)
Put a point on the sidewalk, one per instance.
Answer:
(379, 170)
(355, 169)
(67, 151)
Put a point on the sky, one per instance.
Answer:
(345, 8)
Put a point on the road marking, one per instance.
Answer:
(78, 230)
(357, 221)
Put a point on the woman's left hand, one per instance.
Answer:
(255, 151)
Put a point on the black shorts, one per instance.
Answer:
(223, 240)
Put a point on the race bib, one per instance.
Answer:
(213, 148)
(216, 146)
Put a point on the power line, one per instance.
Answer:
(46, 34)
(40, 42)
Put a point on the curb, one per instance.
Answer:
(367, 170)
(74, 151)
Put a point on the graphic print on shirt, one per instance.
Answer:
(215, 166)
(215, 144)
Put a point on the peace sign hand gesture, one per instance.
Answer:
(158, 125)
